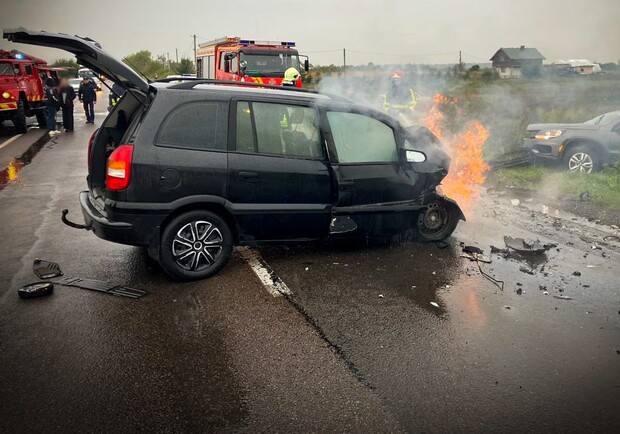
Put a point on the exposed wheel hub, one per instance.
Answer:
(434, 218)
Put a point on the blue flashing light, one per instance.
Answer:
(19, 56)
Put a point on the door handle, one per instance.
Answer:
(248, 176)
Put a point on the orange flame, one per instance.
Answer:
(467, 168)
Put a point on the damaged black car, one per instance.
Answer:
(190, 169)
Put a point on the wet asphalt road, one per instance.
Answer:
(357, 347)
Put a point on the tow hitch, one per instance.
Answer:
(66, 221)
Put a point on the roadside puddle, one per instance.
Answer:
(11, 173)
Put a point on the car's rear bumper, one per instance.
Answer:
(132, 229)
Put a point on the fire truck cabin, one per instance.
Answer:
(236, 59)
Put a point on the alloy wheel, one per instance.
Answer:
(197, 245)
(580, 162)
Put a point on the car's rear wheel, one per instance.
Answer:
(437, 221)
(582, 159)
(195, 245)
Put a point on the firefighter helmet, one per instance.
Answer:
(290, 77)
(398, 75)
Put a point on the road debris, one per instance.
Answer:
(34, 290)
(434, 304)
(507, 307)
(527, 246)
(562, 297)
(51, 272)
(576, 273)
(526, 270)
(515, 202)
(380, 295)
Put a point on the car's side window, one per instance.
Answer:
(198, 125)
(281, 129)
(362, 139)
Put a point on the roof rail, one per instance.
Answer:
(191, 82)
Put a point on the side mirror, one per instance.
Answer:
(306, 65)
(226, 65)
(243, 65)
(413, 156)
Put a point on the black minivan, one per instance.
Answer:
(189, 169)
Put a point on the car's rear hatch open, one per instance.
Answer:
(116, 126)
(87, 53)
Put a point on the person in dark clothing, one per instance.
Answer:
(115, 95)
(88, 96)
(52, 104)
(67, 95)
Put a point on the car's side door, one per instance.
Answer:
(280, 185)
(374, 187)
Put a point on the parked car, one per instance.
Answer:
(190, 169)
(75, 84)
(583, 147)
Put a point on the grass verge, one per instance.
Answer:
(603, 187)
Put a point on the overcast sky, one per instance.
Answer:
(386, 31)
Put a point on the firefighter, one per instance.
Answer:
(290, 77)
(399, 99)
(115, 95)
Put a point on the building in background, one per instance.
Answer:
(517, 62)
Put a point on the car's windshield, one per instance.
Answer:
(269, 65)
(605, 119)
(6, 69)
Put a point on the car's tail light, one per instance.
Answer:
(118, 173)
(90, 146)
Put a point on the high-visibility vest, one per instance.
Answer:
(410, 105)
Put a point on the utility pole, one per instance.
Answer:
(344, 58)
(460, 61)
(195, 54)
(177, 53)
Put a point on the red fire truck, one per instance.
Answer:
(233, 58)
(21, 88)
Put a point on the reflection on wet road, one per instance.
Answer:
(485, 358)
(11, 172)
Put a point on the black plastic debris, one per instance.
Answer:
(45, 269)
(51, 272)
(33, 290)
(576, 273)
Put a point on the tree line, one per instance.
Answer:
(141, 61)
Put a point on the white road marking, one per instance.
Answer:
(270, 280)
(11, 140)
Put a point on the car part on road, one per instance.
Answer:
(101, 286)
(46, 269)
(34, 290)
(528, 246)
(52, 272)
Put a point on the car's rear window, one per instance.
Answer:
(197, 125)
